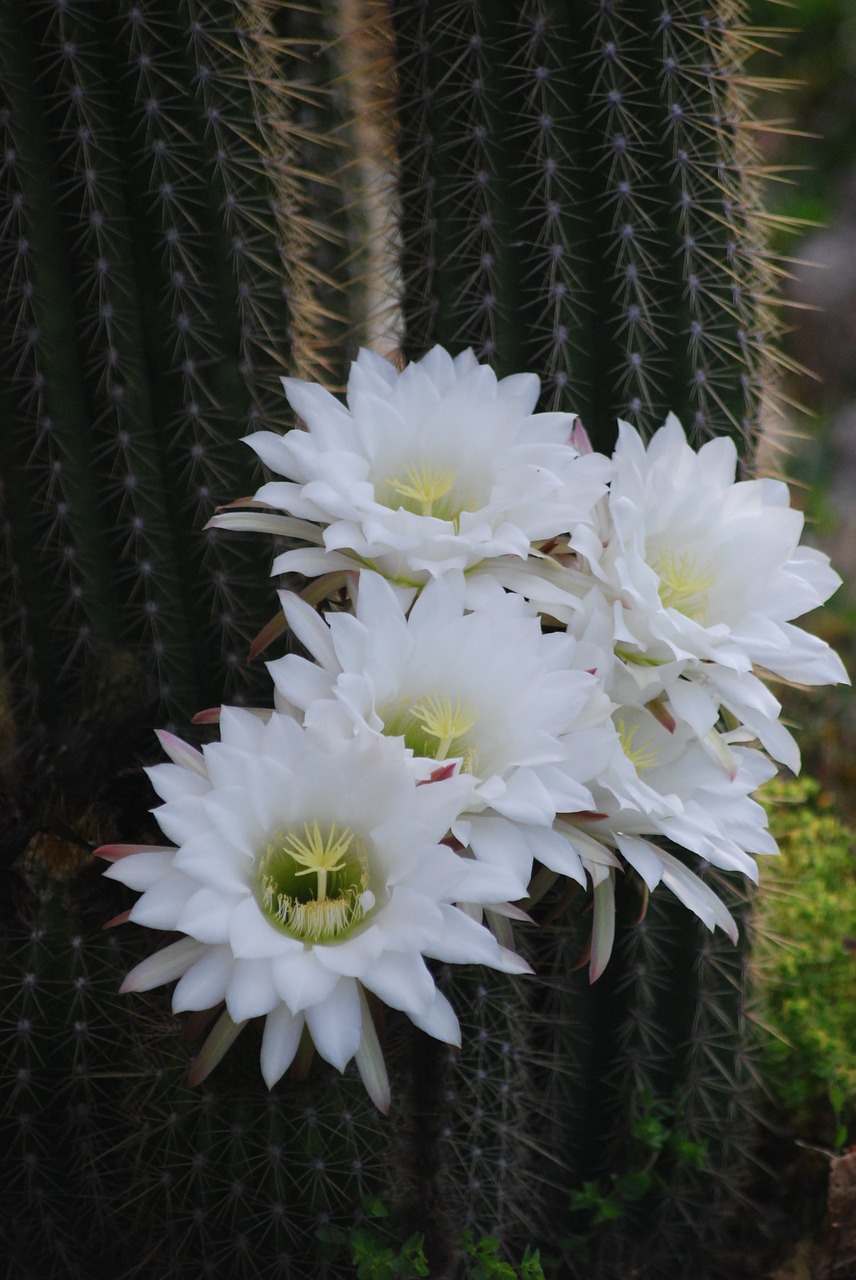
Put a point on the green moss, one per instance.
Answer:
(805, 956)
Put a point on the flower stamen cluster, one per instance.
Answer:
(445, 721)
(683, 585)
(643, 756)
(423, 488)
(341, 896)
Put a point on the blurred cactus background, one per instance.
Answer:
(199, 196)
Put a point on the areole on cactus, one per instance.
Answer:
(203, 197)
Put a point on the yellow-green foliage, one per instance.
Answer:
(807, 929)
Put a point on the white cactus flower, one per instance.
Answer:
(306, 869)
(442, 466)
(528, 721)
(704, 567)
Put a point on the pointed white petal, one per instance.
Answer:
(204, 983)
(335, 1024)
(369, 1059)
(603, 927)
(439, 1021)
(280, 1041)
(250, 991)
(164, 966)
(142, 870)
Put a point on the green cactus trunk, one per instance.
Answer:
(579, 198)
(574, 192)
(160, 270)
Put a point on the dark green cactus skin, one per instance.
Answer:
(113, 1165)
(579, 199)
(659, 1099)
(639, 1092)
(151, 301)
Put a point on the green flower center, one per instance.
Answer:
(313, 883)
(434, 726)
(684, 584)
(425, 490)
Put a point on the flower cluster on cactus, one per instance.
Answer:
(533, 658)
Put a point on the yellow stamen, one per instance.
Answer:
(339, 901)
(317, 856)
(442, 720)
(424, 484)
(683, 584)
(644, 756)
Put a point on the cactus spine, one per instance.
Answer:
(577, 196)
(160, 264)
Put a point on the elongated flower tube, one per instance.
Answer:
(519, 708)
(307, 870)
(442, 466)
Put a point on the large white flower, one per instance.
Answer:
(696, 794)
(706, 568)
(439, 467)
(307, 869)
(661, 781)
(518, 707)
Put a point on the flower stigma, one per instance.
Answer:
(683, 585)
(328, 906)
(426, 490)
(433, 726)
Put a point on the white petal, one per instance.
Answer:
(643, 857)
(162, 904)
(301, 980)
(313, 562)
(369, 1060)
(241, 728)
(164, 966)
(310, 629)
(353, 956)
(335, 1024)
(181, 753)
(142, 870)
(439, 1021)
(204, 983)
(499, 842)
(696, 895)
(554, 849)
(603, 927)
(172, 782)
(465, 942)
(253, 937)
(207, 916)
(251, 991)
(280, 1042)
(320, 410)
(299, 681)
(230, 813)
(210, 861)
(184, 817)
(693, 703)
(401, 980)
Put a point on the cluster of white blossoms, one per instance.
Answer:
(533, 658)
